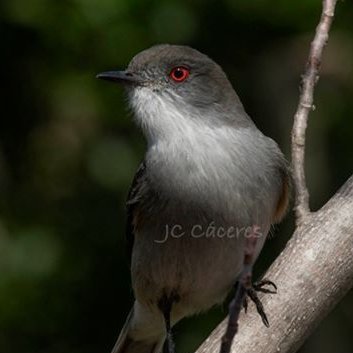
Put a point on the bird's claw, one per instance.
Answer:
(252, 294)
(259, 286)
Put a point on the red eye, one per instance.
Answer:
(179, 74)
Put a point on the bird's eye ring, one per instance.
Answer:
(179, 73)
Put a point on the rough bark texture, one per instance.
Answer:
(313, 273)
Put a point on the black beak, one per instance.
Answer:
(120, 76)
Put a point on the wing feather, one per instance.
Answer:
(132, 204)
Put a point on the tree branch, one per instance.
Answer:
(315, 270)
(313, 273)
(305, 105)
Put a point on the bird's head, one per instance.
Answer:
(178, 82)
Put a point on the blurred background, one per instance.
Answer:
(69, 149)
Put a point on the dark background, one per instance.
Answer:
(68, 150)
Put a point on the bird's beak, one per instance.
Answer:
(120, 77)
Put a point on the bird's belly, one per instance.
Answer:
(198, 271)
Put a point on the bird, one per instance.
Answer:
(208, 176)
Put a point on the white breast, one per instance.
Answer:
(220, 166)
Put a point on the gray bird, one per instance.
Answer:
(208, 178)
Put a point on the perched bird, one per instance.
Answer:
(209, 176)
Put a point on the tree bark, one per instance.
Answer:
(313, 273)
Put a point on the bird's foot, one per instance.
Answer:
(252, 294)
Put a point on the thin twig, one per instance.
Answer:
(305, 105)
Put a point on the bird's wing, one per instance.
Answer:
(284, 196)
(133, 200)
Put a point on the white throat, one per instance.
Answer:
(164, 117)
